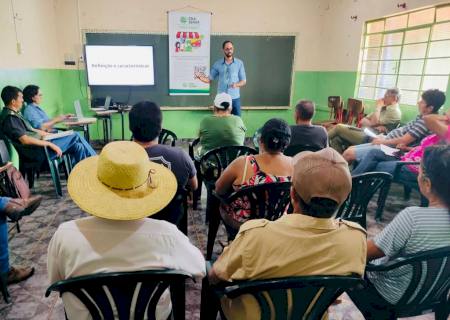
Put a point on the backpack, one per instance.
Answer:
(13, 184)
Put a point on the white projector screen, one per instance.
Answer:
(120, 65)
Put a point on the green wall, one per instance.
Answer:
(61, 87)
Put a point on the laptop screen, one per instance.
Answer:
(78, 112)
(107, 102)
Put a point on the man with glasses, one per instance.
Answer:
(230, 73)
(386, 117)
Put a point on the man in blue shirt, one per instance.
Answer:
(231, 74)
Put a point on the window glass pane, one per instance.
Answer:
(414, 51)
(379, 93)
(373, 40)
(441, 31)
(393, 38)
(409, 97)
(390, 53)
(443, 14)
(409, 82)
(411, 67)
(366, 92)
(369, 67)
(439, 49)
(397, 22)
(371, 54)
(438, 66)
(386, 81)
(376, 26)
(435, 82)
(388, 67)
(367, 80)
(419, 35)
(421, 17)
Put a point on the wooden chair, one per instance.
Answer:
(429, 287)
(167, 137)
(266, 201)
(364, 187)
(336, 106)
(355, 112)
(101, 291)
(306, 297)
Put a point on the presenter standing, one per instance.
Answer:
(231, 74)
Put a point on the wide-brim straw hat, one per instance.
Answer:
(121, 183)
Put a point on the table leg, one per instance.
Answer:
(123, 128)
(110, 128)
(86, 133)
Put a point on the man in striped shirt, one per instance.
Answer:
(413, 230)
(407, 136)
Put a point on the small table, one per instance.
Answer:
(105, 116)
(122, 111)
(84, 123)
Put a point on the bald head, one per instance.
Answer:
(304, 110)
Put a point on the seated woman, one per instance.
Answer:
(413, 230)
(270, 165)
(376, 160)
(33, 112)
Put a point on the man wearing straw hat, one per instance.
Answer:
(120, 188)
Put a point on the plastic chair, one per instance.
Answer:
(176, 211)
(98, 291)
(167, 137)
(429, 287)
(267, 201)
(53, 165)
(211, 167)
(364, 186)
(306, 297)
(292, 150)
(196, 195)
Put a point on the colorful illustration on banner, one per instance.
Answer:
(188, 41)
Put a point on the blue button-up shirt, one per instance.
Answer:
(35, 115)
(228, 74)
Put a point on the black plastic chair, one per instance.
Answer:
(306, 297)
(267, 201)
(429, 287)
(409, 185)
(167, 137)
(176, 211)
(292, 150)
(54, 164)
(364, 186)
(212, 164)
(147, 286)
(196, 195)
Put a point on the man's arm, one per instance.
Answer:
(193, 183)
(406, 140)
(373, 252)
(27, 140)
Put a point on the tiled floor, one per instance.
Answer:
(30, 247)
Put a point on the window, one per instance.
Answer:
(410, 51)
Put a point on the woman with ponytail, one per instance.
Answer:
(270, 165)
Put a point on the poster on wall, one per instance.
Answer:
(189, 44)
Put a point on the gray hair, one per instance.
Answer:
(395, 92)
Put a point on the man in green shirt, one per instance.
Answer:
(222, 128)
(385, 118)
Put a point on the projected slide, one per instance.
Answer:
(120, 65)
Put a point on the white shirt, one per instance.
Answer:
(93, 245)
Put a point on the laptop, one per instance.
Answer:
(105, 106)
(78, 113)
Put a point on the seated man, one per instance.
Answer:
(119, 236)
(408, 135)
(304, 133)
(413, 230)
(14, 126)
(386, 117)
(14, 209)
(33, 112)
(307, 242)
(222, 128)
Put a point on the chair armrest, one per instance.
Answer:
(221, 198)
(6, 166)
(191, 147)
(400, 164)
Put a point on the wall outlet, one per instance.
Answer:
(81, 58)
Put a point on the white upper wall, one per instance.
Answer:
(341, 36)
(327, 39)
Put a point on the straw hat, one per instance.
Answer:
(121, 183)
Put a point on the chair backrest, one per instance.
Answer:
(192, 146)
(355, 108)
(292, 150)
(306, 298)
(364, 186)
(267, 201)
(336, 105)
(167, 137)
(101, 293)
(215, 161)
(430, 282)
(4, 154)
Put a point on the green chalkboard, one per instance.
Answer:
(268, 64)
